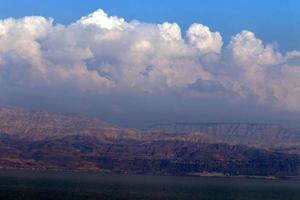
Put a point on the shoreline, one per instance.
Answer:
(108, 172)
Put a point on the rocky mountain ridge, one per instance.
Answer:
(42, 140)
(261, 135)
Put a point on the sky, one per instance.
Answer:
(137, 63)
(267, 18)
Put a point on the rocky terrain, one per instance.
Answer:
(260, 135)
(41, 140)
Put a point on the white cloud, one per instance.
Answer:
(170, 31)
(248, 50)
(202, 38)
(264, 72)
(101, 19)
(101, 53)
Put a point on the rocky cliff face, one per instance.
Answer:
(50, 141)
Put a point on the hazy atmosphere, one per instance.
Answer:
(151, 64)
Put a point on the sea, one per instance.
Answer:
(46, 185)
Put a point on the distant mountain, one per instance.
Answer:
(40, 125)
(261, 135)
(42, 140)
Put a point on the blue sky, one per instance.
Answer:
(271, 20)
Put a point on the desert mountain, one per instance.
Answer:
(261, 135)
(42, 140)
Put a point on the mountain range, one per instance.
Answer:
(43, 140)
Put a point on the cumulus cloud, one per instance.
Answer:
(262, 70)
(107, 54)
(101, 19)
(202, 38)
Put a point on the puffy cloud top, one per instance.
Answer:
(170, 31)
(247, 49)
(202, 38)
(101, 19)
(106, 54)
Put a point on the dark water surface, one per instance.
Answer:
(65, 185)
